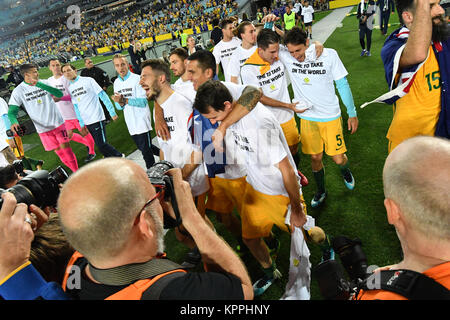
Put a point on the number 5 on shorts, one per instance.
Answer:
(339, 140)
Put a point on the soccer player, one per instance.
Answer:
(415, 58)
(263, 70)
(246, 31)
(272, 187)
(67, 111)
(179, 150)
(321, 125)
(131, 97)
(85, 94)
(37, 98)
(308, 17)
(183, 85)
(226, 47)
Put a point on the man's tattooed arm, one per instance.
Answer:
(246, 103)
(248, 99)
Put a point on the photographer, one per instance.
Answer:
(417, 203)
(18, 277)
(192, 45)
(418, 206)
(365, 16)
(122, 229)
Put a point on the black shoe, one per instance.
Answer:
(192, 259)
(90, 157)
(318, 199)
(349, 180)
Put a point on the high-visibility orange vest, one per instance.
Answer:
(133, 292)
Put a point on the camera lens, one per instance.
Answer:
(59, 175)
(352, 256)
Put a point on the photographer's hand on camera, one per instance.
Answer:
(16, 232)
(216, 253)
(185, 202)
(16, 128)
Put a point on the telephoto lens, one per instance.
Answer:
(352, 256)
(40, 188)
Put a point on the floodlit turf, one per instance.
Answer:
(358, 213)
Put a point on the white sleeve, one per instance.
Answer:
(283, 54)
(337, 67)
(216, 53)
(248, 77)
(3, 107)
(15, 100)
(140, 92)
(97, 89)
(235, 89)
(233, 66)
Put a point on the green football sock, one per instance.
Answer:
(319, 177)
(344, 168)
(270, 270)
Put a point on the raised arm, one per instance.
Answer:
(417, 46)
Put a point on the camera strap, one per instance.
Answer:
(124, 275)
(411, 285)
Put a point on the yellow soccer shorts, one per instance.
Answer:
(261, 211)
(18, 150)
(225, 194)
(290, 131)
(316, 135)
(200, 203)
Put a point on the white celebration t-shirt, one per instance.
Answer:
(39, 105)
(260, 139)
(237, 61)
(223, 52)
(65, 107)
(177, 110)
(84, 92)
(138, 119)
(273, 84)
(313, 82)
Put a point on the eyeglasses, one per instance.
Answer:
(148, 202)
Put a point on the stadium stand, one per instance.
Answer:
(41, 31)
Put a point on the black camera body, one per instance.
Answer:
(164, 183)
(333, 284)
(20, 132)
(40, 188)
(19, 168)
(362, 16)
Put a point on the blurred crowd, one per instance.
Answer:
(113, 27)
